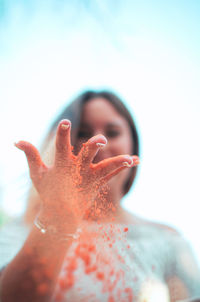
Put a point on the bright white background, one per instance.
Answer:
(146, 51)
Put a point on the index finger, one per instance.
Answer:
(63, 141)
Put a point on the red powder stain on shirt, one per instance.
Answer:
(129, 292)
(100, 275)
(112, 272)
(153, 267)
(82, 252)
(86, 258)
(92, 248)
(90, 269)
(121, 259)
(112, 284)
(72, 265)
(125, 229)
(111, 299)
(67, 282)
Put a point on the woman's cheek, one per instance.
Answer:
(119, 179)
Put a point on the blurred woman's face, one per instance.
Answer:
(101, 117)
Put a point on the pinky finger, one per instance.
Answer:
(115, 172)
(109, 176)
(32, 155)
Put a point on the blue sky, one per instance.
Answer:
(146, 51)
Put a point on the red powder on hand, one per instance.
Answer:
(125, 229)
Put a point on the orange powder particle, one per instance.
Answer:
(92, 248)
(129, 292)
(100, 275)
(91, 269)
(86, 258)
(72, 265)
(42, 288)
(66, 283)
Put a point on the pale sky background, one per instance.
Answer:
(146, 51)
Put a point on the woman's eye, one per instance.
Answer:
(112, 133)
(84, 134)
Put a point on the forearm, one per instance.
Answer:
(33, 273)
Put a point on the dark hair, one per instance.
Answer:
(74, 110)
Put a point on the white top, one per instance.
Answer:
(118, 263)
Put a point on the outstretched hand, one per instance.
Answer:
(68, 187)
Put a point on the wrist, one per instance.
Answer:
(54, 223)
(55, 230)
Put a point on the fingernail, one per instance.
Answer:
(100, 145)
(136, 161)
(126, 164)
(64, 126)
(16, 144)
(128, 161)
